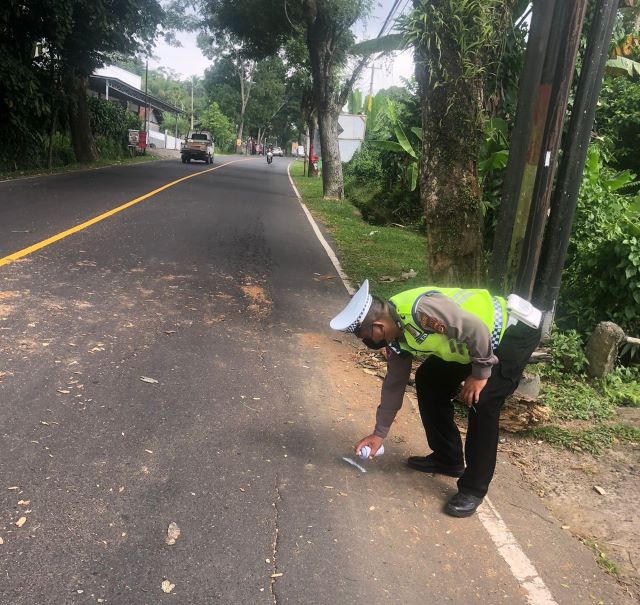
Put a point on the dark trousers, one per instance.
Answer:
(438, 381)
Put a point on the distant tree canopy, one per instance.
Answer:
(49, 49)
(325, 27)
(223, 131)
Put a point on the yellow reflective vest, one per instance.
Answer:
(491, 310)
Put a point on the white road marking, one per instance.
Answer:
(521, 567)
(509, 549)
(323, 241)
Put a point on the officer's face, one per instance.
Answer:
(372, 335)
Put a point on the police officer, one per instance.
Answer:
(467, 337)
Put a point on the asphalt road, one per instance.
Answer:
(171, 363)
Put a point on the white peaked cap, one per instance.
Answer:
(352, 315)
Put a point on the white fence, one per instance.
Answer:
(163, 140)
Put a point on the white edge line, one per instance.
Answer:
(509, 549)
(323, 241)
(506, 544)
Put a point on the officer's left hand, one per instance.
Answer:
(471, 389)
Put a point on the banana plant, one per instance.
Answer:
(402, 145)
(621, 66)
(355, 102)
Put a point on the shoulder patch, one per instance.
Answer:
(431, 323)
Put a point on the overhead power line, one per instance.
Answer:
(389, 17)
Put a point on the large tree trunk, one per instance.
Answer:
(449, 186)
(81, 136)
(332, 181)
(321, 51)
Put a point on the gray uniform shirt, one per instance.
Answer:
(457, 324)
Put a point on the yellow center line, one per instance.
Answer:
(96, 219)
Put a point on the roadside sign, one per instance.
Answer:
(134, 138)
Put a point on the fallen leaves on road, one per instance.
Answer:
(149, 380)
(1, 541)
(167, 586)
(173, 533)
(21, 521)
(599, 490)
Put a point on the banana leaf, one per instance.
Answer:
(384, 44)
(404, 141)
(621, 66)
(388, 146)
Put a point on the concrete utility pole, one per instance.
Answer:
(563, 203)
(558, 70)
(553, 44)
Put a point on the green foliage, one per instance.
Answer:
(595, 439)
(622, 386)
(621, 66)
(573, 398)
(568, 352)
(387, 43)
(355, 102)
(408, 153)
(220, 127)
(111, 120)
(374, 105)
(601, 279)
(618, 121)
(45, 46)
(492, 163)
(365, 166)
(62, 151)
(381, 178)
(459, 41)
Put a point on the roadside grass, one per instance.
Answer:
(594, 440)
(602, 559)
(365, 251)
(6, 175)
(583, 409)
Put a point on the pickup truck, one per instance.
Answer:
(198, 146)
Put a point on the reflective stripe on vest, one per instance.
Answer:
(490, 310)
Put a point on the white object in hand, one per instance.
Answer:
(365, 451)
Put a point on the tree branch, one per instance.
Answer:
(348, 85)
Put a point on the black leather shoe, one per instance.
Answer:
(427, 464)
(462, 505)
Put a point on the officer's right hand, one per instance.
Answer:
(373, 441)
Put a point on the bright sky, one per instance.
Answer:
(187, 60)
